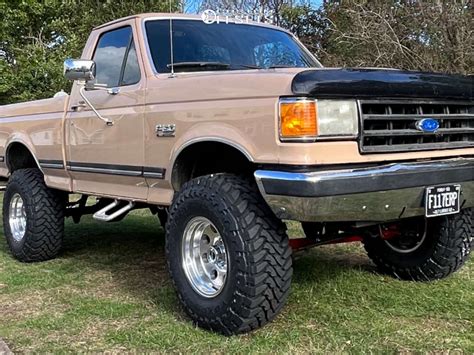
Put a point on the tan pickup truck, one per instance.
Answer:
(226, 130)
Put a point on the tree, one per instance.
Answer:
(308, 24)
(36, 37)
(415, 34)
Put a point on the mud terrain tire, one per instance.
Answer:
(259, 268)
(42, 232)
(445, 249)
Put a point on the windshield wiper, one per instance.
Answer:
(253, 66)
(277, 66)
(221, 65)
(249, 66)
(199, 65)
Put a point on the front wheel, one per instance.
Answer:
(421, 249)
(228, 255)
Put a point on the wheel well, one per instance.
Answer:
(206, 158)
(18, 156)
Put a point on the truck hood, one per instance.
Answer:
(382, 83)
(222, 85)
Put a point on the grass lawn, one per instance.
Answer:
(110, 290)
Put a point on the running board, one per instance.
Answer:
(102, 215)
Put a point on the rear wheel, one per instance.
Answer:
(33, 217)
(423, 249)
(228, 255)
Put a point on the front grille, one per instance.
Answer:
(390, 126)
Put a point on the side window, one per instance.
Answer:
(116, 58)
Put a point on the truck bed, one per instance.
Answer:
(51, 105)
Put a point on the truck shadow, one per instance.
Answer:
(132, 249)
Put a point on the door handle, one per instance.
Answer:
(77, 106)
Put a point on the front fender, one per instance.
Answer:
(213, 132)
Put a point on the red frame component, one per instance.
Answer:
(390, 232)
(305, 243)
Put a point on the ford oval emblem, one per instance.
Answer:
(428, 125)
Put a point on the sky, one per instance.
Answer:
(316, 3)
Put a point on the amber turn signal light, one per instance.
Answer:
(298, 119)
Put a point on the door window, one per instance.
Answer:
(116, 58)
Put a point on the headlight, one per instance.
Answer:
(309, 119)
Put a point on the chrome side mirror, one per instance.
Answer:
(79, 69)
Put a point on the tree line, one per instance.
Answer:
(36, 36)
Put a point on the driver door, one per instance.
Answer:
(102, 159)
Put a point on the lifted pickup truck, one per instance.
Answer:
(226, 130)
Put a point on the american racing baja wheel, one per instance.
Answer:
(228, 254)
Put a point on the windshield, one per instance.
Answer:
(200, 46)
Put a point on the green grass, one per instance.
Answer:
(109, 290)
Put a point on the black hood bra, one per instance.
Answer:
(382, 83)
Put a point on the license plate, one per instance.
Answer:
(442, 200)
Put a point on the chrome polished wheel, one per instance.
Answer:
(204, 257)
(17, 217)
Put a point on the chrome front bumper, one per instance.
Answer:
(370, 194)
